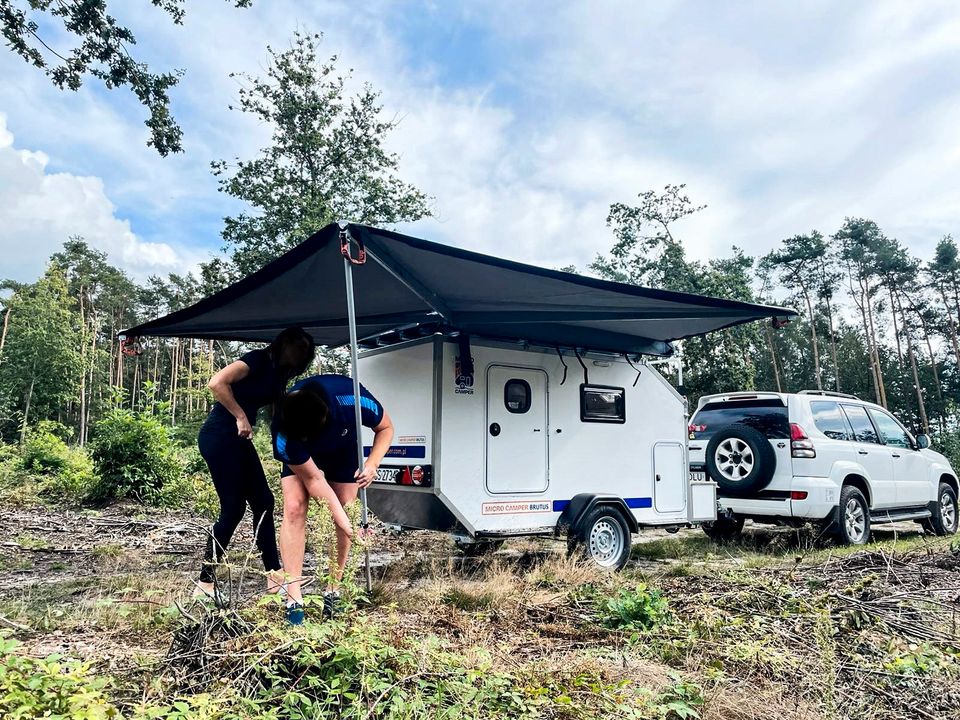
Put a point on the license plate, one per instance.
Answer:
(697, 476)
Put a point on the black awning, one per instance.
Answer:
(407, 282)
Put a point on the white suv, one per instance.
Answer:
(791, 458)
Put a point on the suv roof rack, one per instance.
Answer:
(829, 393)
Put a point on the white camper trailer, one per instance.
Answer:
(533, 441)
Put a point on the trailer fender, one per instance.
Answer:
(578, 507)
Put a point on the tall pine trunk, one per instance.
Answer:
(867, 338)
(773, 356)
(882, 390)
(26, 409)
(813, 337)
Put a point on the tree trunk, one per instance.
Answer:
(190, 378)
(90, 374)
(876, 347)
(26, 409)
(174, 357)
(773, 355)
(951, 325)
(921, 405)
(83, 374)
(866, 334)
(916, 384)
(833, 345)
(813, 337)
(896, 330)
(6, 325)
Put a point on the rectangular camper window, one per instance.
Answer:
(602, 403)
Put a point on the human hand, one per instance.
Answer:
(366, 476)
(244, 428)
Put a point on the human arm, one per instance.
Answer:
(221, 386)
(382, 437)
(317, 487)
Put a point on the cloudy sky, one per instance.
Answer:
(524, 121)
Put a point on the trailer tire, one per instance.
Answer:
(603, 536)
(738, 449)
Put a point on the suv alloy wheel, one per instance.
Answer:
(853, 517)
(945, 515)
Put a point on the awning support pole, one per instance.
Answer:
(348, 263)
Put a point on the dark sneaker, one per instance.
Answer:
(294, 612)
(331, 603)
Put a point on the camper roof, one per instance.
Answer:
(407, 282)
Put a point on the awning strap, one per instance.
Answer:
(466, 357)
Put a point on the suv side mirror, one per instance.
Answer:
(923, 441)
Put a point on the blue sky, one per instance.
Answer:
(524, 121)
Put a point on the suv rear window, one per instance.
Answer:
(830, 420)
(767, 416)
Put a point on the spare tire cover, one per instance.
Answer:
(740, 459)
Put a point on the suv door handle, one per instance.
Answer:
(896, 455)
(862, 452)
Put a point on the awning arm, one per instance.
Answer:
(378, 252)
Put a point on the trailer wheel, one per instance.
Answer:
(603, 536)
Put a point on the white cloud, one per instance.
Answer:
(39, 210)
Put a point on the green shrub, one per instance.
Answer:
(135, 457)
(62, 472)
(31, 688)
(634, 609)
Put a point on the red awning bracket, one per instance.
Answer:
(345, 238)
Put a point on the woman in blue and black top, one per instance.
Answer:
(315, 437)
(257, 379)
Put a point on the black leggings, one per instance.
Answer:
(238, 477)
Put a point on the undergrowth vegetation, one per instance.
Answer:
(772, 627)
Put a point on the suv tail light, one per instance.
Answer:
(800, 445)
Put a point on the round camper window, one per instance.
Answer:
(516, 396)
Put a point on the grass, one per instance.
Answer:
(32, 542)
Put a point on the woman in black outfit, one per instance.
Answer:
(241, 389)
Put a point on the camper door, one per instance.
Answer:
(517, 433)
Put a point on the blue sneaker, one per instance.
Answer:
(295, 613)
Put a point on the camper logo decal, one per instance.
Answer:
(463, 382)
(515, 508)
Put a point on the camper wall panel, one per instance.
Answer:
(401, 378)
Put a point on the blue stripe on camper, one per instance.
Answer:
(633, 503)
